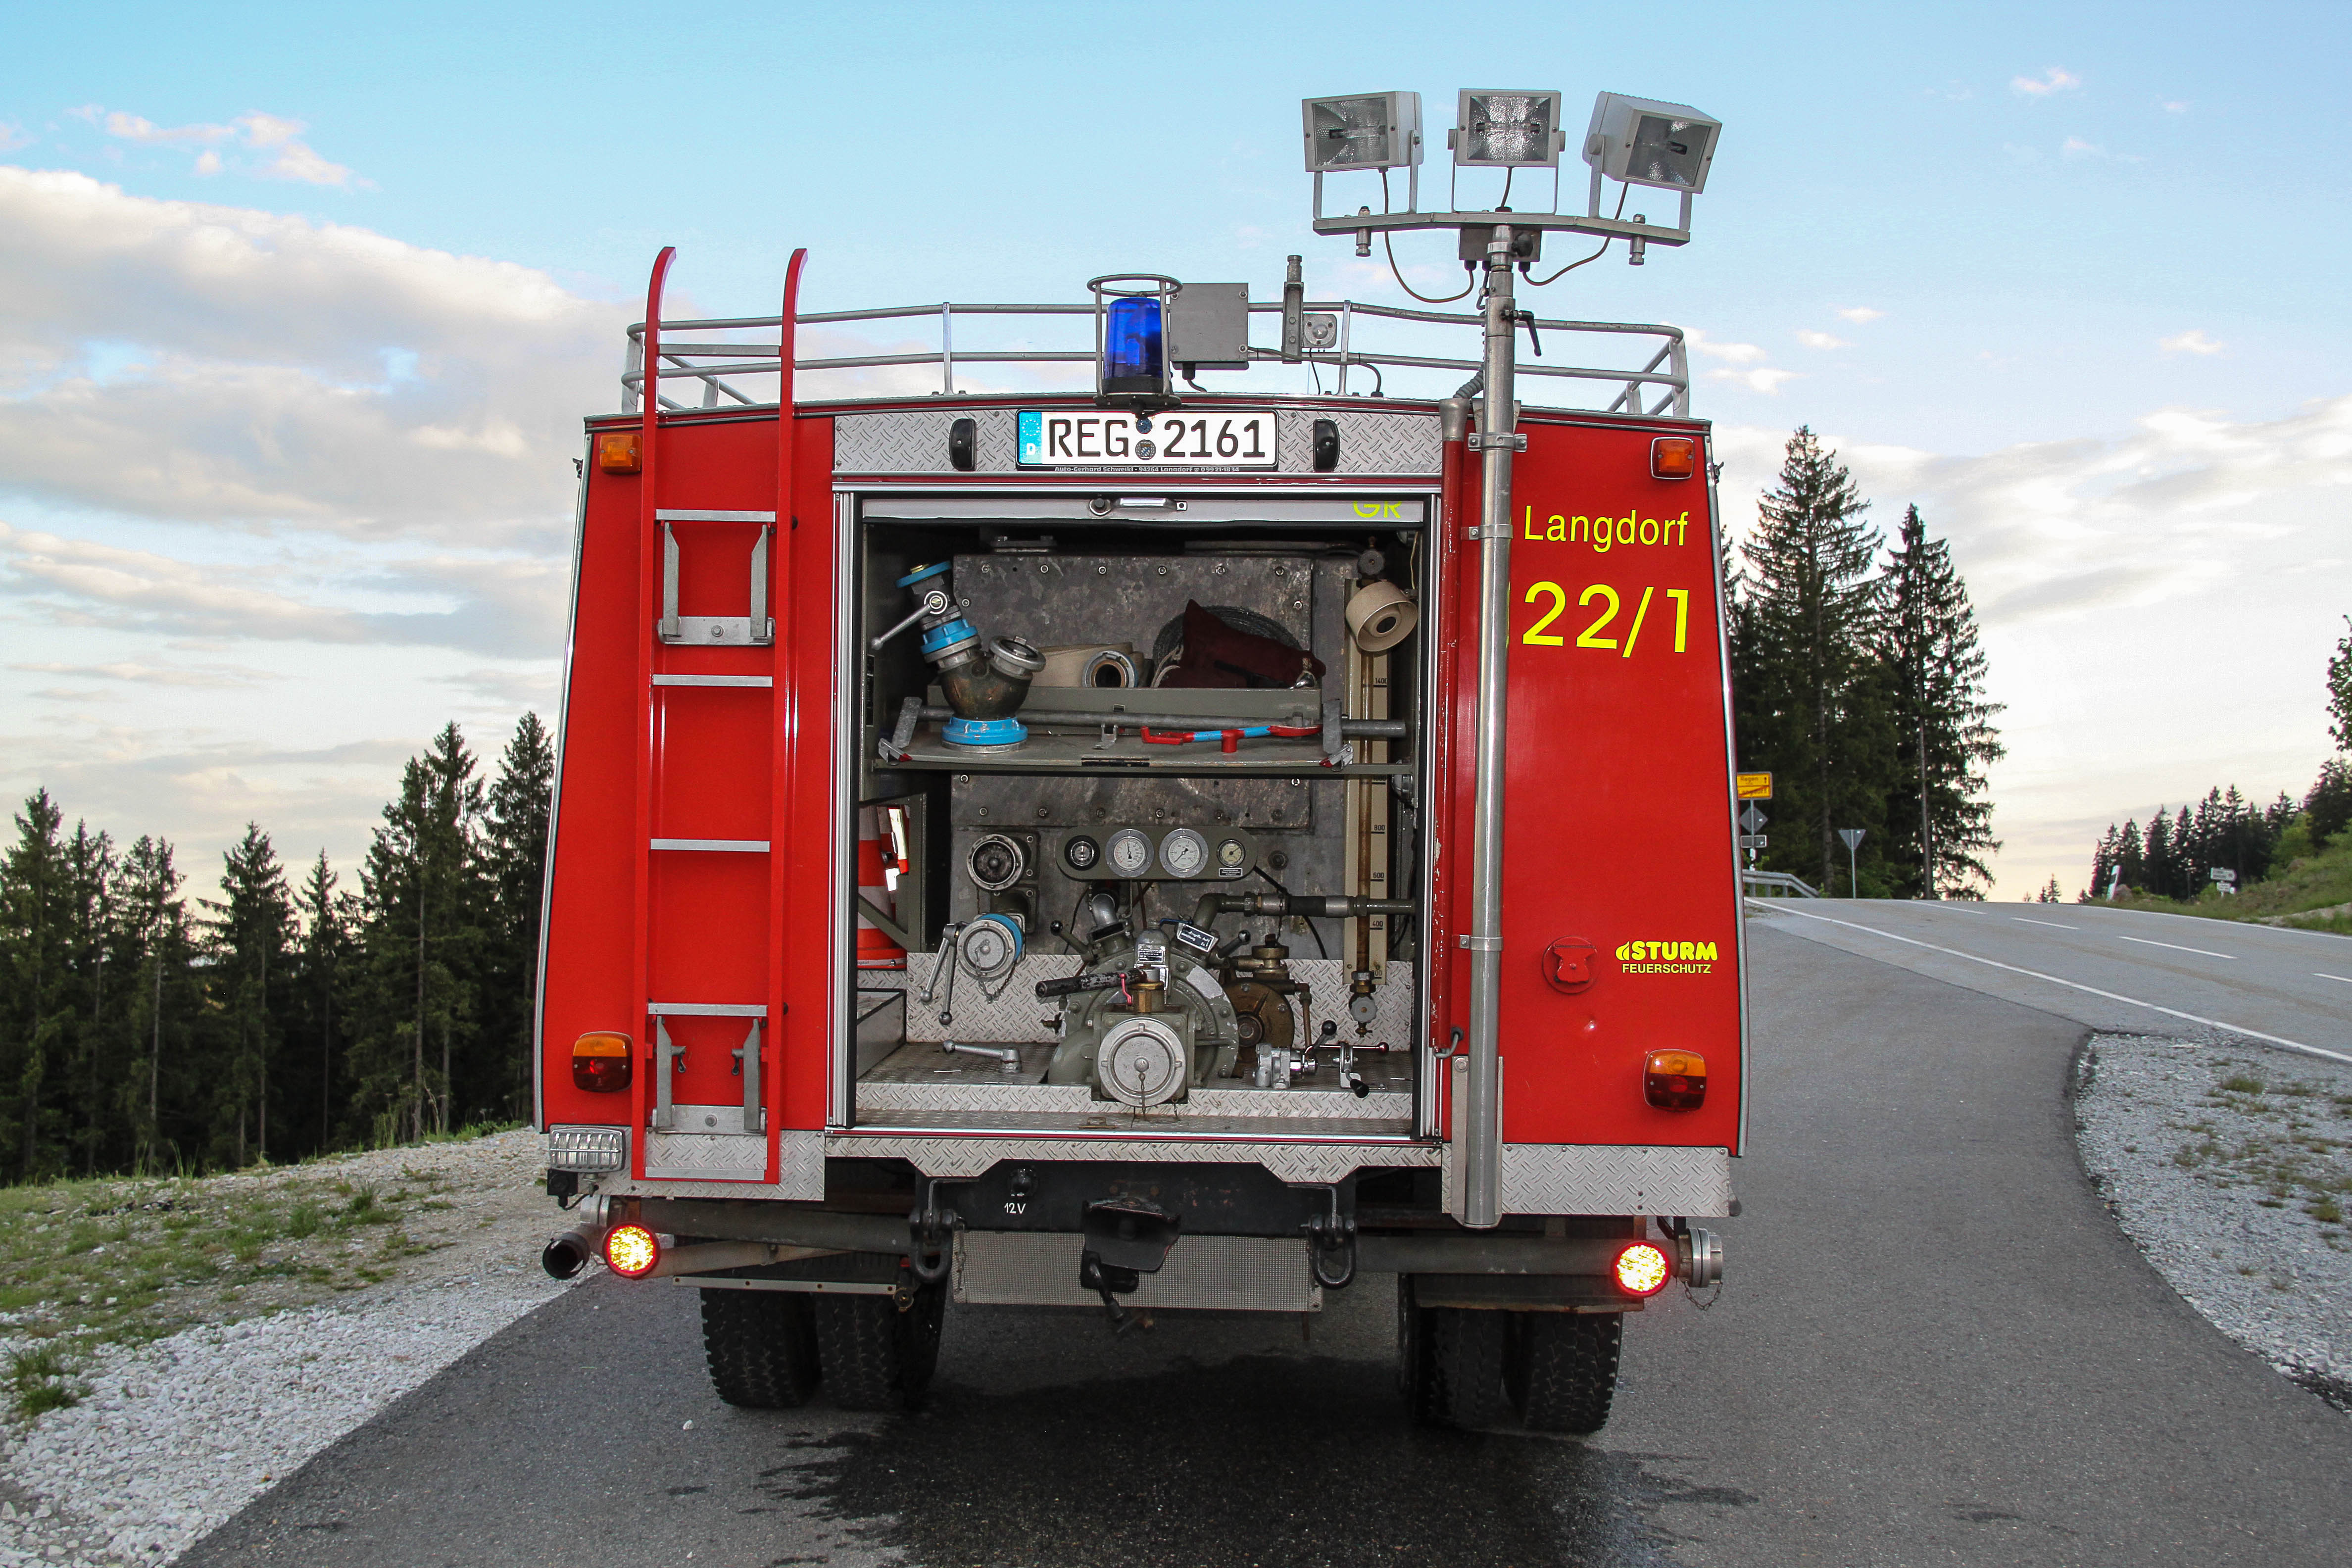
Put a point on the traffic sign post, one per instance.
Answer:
(1752, 786)
(1852, 836)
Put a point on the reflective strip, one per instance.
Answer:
(721, 846)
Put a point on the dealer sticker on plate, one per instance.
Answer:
(1069, 438)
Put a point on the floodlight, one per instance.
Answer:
(1363, 130)
(1495, 129)
(1644, 142)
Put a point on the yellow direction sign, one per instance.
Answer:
(1754, 786)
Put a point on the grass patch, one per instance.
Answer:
(2239, 1083)
(40, 1379)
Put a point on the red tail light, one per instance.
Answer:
(1643, 1268)
(631, 1251)
(600, 1063)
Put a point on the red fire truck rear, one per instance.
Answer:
(1147, 849)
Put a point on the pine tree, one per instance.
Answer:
(515, 846)
(35, 916)
(422, 904)
(1938, 817)
(1814, 708)
(249, 929)
(2328, 804)
(313, 1011)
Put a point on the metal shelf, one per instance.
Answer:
(1049, 753)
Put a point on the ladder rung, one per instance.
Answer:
(717, 846)
(697, 516)
(714, 680)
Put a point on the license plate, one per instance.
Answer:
(1069, 438)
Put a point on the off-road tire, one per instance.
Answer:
(1564, 1368)
(875, 1356)
(1467, 1352)
(761, 1347)
(1411, 1350)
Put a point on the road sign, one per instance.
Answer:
(1753, 786)
(1752, 841)
(2223, 874)
(1752, 820)
(1852, 836)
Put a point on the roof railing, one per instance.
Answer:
(713, 364)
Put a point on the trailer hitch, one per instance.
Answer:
(930, 1237)
(1125, 1238)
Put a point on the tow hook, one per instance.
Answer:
(930, 1237)
(1333, 1237)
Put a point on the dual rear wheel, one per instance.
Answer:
(769, 1349)
(1555, 1372)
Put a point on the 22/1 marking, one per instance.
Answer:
(1611, 606)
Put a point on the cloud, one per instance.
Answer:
(2075, 147)
(2193, 341)
(13, 136)
(510, 606)
(1818, 340)
(284, 155)
(1860, 315)
(1763, 379)
(2175, 105)
(2090, 560)
(1733, 353)
(2056, 80)
(219, 676)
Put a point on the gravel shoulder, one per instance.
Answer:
(214, 1334)
(2231, 1169)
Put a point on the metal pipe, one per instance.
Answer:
(783, 1223)
(1005, 1056)
(1445, 1253)
(1497, 439)
(706, 1257)
(1383, 729)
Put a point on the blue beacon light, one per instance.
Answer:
(1133, 360)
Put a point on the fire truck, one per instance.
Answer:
(1150, 848)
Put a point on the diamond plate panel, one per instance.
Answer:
(1236, 1273)
(800, 1169)
(1593, 1178)
(915, 441)
(1370, 442)
(711, 1156)
(970, 1156)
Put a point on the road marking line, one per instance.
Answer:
(2318, 975)
(2176, 947)
(2076, 985)
(2053, 925)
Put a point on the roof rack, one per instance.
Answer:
(717, 364)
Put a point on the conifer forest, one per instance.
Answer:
(1858, 683)
(157, 1017)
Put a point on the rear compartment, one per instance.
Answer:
(1019, 883)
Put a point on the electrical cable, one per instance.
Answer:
(1544, 282)
(1505, 205)
(1397, 273)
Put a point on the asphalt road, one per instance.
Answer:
(1935, 1347)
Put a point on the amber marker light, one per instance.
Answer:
(1674, 1080)
(616, 452)
(1674, 457)
(1642, 1269)
(632, 1250)
(600, 1062)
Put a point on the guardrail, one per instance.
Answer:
(1774, 885)
(714, 364)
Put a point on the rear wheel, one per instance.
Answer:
(1564, 1368)
(1463, 1354)
(875, 1356)
(761, 1347)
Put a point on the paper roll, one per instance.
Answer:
(1088, 664)
(1381, 615)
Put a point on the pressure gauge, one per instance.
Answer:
(1232, 855)
(1183, 854)
(1079, 852)
(1129, 852)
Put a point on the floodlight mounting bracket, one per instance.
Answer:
(1568, 223)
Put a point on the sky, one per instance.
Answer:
(301, 308)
